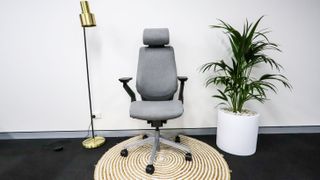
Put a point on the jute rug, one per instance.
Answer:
(207, 163)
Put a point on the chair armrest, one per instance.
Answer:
(125, 81)
(182, 79)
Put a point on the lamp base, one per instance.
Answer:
(93, 142)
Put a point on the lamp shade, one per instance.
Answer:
(86, 17)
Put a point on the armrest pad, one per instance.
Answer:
(125, 79)
(182, 78)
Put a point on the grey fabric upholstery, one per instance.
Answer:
(156, 79)
(156, 37)
(157, 74)
(156, 110)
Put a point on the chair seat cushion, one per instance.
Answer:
(156, 110)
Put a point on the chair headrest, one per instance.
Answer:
(156, 36)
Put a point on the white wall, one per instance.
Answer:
(42, 65)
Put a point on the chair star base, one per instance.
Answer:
(155, 140)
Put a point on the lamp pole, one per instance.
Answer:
(88, 80)
(88, 20)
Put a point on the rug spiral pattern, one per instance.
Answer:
(207, 163)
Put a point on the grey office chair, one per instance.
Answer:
(157, 84)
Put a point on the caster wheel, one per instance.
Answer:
(150, 169)
(177, 139)
(188, 157)
(145, 136)
(124, 153)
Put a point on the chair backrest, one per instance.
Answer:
(157, 73)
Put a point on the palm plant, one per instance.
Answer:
(236, 82)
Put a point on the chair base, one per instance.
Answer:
(155, 140)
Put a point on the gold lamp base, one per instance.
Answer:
(95, 142)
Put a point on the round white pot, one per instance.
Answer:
(237, 134)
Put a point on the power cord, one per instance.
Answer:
(88, 131)
(58, 145)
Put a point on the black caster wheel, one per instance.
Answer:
(177, 139)
(124, 153)
(150, 169)
(145, 136)
(188, 157)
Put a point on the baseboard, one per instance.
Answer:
(171, 131)
(105, 133)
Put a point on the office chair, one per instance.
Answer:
(156, 83)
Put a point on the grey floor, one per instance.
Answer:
(292, 157)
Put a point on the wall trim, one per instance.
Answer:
(168, 131)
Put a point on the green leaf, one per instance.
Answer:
(236, 83)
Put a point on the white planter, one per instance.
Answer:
(237, 134)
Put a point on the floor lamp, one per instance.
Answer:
(88, 20)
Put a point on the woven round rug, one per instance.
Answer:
(170, 163)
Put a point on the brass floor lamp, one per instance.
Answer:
(88, 20)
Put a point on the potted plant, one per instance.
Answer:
(237, 127)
